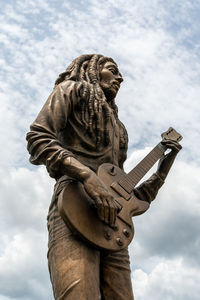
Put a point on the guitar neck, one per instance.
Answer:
(130, 180)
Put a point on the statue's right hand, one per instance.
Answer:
(107, 207)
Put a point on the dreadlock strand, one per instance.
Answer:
(91, 111)
(92, 68)
(83, 116)
(83, 70)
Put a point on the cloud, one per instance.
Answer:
(170, 228)
(23, 270)
(28, 194)
(23, 263)
(170, 279)
(155, 45)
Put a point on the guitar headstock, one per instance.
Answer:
(171, 134)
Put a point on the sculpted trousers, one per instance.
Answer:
(79, 272)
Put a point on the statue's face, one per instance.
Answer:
(110, 80)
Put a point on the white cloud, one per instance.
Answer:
(169, 280)
(27, 195)
(23, 267)
(155, 45)
(165, 249)
(23, 263)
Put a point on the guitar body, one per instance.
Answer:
(78, 211)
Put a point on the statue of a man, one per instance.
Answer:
(75, 132)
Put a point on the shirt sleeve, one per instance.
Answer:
(44, 145)
(148, 190)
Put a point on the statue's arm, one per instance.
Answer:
(148, 190)
(44, 145)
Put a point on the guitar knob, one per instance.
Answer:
(126, 232)
(107, 235)
(119, 241)
(115, 227)
(112, 171)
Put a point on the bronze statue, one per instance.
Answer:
(80, 139)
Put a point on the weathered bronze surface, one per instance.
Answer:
(83, 144)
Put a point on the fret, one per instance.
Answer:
(142, 167)
(129, 181)
(140, 172)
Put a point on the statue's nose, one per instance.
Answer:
(119, 78)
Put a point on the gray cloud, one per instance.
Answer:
(155, 45)
(23, 270)
(171, 226)
(168, 280)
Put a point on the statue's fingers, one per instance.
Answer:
(100, 208)
(172, 145)
(106, 211)
(112, 211)
(171, 142)
(175, 147)
(113, 214)
(118, 206)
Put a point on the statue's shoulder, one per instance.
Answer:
(78, 90)
(79, 87)
(65, 86)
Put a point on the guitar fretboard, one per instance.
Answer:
(129, 181)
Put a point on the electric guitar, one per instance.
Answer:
(79, 213)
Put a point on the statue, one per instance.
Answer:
(77, 131)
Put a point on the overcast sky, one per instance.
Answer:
(157, 47)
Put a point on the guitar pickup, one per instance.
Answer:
(117, 188)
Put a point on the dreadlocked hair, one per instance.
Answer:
(84, 70)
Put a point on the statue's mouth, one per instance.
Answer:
(116, 84)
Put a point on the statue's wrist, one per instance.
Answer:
(76, 169)
(85, 174)
(160, 176)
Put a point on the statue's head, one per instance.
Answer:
(95, 69)
(101, 81)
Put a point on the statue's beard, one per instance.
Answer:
(110, 91)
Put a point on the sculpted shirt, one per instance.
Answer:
(59, 131)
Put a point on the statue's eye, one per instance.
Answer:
(114, 71)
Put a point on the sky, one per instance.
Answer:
(156, 46)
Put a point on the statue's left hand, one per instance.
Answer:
(167, 160)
